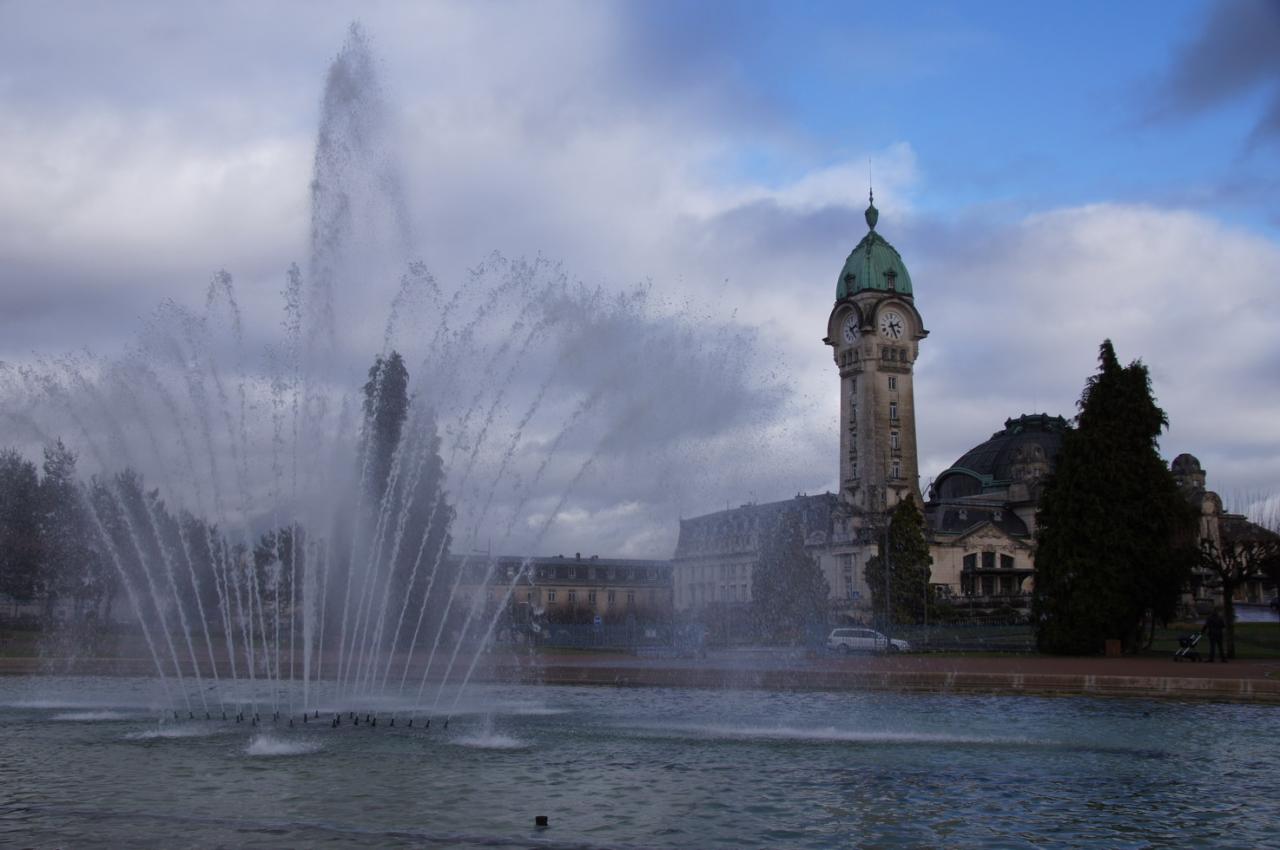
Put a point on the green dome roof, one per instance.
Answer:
(874, 264)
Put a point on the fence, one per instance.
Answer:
(967, 638)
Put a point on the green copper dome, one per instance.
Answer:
(874, 264)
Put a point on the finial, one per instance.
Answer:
(872, 214)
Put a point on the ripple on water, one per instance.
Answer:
(89, 716)
(831, 734)
(266, 745)
(162, 733)
(491, 741)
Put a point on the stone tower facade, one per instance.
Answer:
(874, 331)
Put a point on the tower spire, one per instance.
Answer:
(872, 215)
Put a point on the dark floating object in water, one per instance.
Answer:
(206, 716)
(175, 715)
(224, 715)
(393, 721)
(410, 722)
(190, 716)
(290, 722)
(541, 820)
(446, 723)
(375, 722)
(305, 719)
(428, 722)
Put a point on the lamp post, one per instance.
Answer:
(888, 567)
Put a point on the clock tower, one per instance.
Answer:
(874, 332)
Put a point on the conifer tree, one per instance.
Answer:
(1115, 538)
(909, 563)
(21, 553)
(386, 406)
(788, 590)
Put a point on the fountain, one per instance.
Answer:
(302, 537)
(283, 527)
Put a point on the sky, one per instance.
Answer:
(1053, 175)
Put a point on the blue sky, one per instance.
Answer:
(1054, 174)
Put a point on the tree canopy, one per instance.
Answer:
(909, 563)
(1115, 538)
(788, 590)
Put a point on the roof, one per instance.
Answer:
(961, 519)
(873, 264)
(738, 529)
(1033, 438)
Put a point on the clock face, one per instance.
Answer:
(892, 325)
(849, 330)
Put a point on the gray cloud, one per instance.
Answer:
(1237, 53)
(558, 143)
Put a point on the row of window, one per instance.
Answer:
(895, 469)
(571, 597)
(853, 385)
(988, 561)
(594, 573)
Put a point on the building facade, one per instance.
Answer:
(572, 590)
(980, 517)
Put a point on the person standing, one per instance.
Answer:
(1215, 626)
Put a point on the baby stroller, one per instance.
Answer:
(1187, 648)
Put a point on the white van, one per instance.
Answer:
(863, 640)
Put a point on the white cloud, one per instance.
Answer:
(527, 134)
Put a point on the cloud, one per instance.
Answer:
(1017, 313)
(705, 287)
(1235, 55)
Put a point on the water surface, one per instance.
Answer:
(87, 762)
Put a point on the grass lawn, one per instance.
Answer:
(1253, 640)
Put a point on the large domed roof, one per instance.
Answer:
(873, 264)
(1029, 439)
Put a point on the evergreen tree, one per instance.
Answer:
(1115, 538)
(71, 563)
(21, 555)
(788, 590)
(386, 406)
(909, 563)
(413, 541)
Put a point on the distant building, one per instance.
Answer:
(1218, 525)
(716, 553)
(981, 514)
(980, 517)
(570, 589)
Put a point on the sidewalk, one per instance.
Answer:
(1253, 681)
(1248, 680)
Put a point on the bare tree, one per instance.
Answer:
(1240, 552)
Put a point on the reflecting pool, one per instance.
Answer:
(86, 762)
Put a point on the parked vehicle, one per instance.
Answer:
(864, 640)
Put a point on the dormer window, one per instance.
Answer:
(891, 279)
